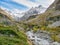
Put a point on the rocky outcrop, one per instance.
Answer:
(55, 24)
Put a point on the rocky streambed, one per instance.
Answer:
(41, 38)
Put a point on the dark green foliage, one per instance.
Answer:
(54, 18)
(2, 15)
(17, 38)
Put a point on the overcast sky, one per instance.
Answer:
(22, 5)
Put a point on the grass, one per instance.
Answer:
(18, 38)
(10, 35)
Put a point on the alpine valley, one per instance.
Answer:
(36, 26)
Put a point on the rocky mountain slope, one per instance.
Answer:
(48, 21)
(31, 12)
(52, 12)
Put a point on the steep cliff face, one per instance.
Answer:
(53, 5)
(58, 5)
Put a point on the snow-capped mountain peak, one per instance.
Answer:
(23, 15)
(33, 11)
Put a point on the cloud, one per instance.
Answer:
(45, 3)
(11, 5)
(26, 3)
(34, 3)
(17, 12)
(33, 0)
(23, 5)
(18, 6)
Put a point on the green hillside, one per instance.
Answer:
(9, 32)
